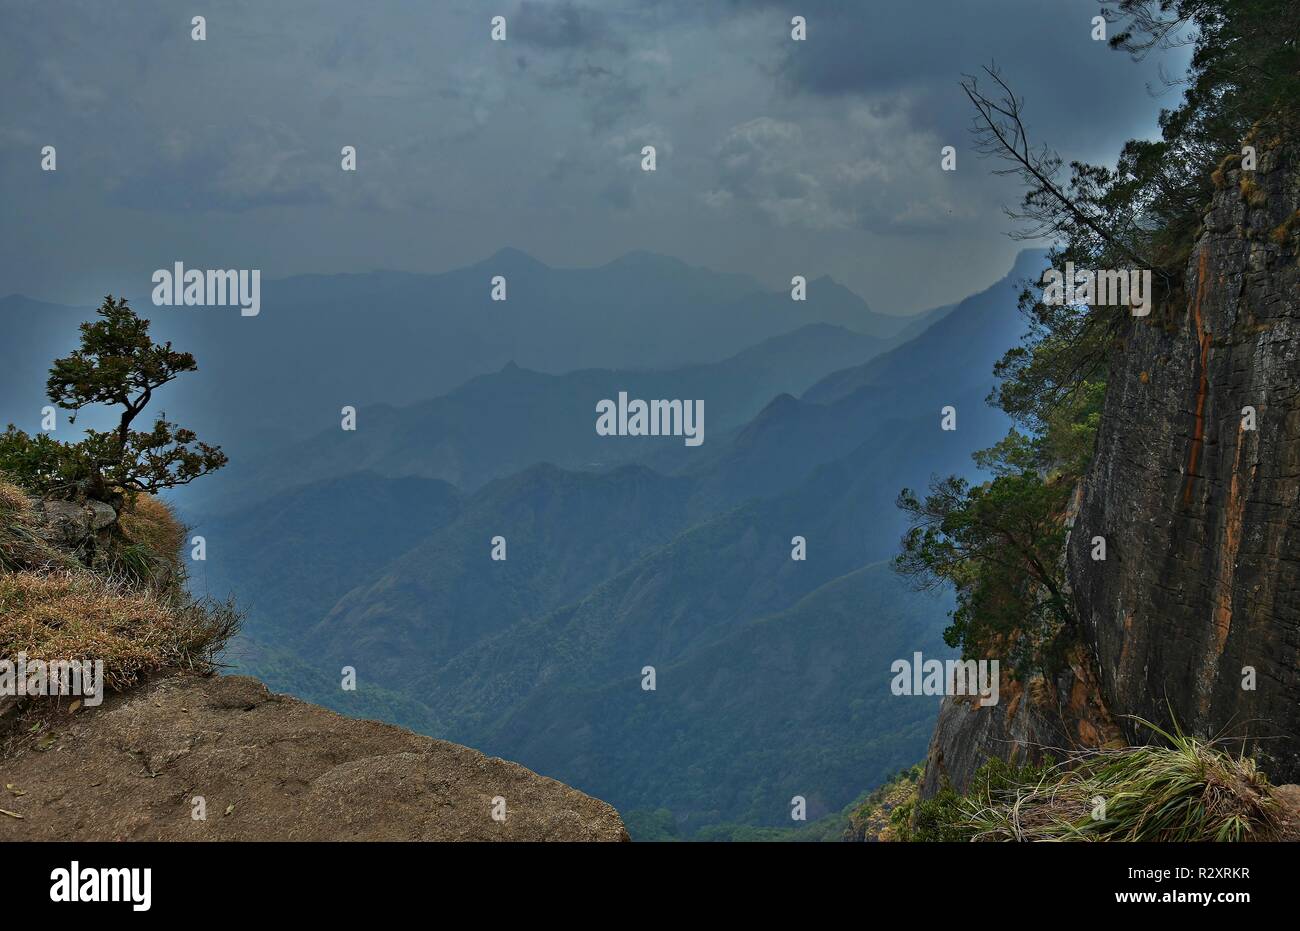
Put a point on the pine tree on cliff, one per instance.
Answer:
(119, 365)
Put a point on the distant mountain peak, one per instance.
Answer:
(779, 406)
(1029, 262)
(512, 258)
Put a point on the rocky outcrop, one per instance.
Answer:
(73, 527)
(873, 820)
(268, 767)
(1195, 484)
(1033, 720)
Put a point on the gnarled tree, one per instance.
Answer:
(119, 365)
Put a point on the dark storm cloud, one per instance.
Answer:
(575, 49)
(609, 94)
(771, 152)
(1071, 79)
(562, 25)
(1074, 85)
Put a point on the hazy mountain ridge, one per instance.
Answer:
(262, 552)
(497, 424)
(563, 532)
(977, 325)
(495, 660)
(322, 342)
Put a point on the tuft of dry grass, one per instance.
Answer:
(152, 523)
(1189, 790)
(1220, 174)
(81, 615)
(1282, 232)
(146, 544)
(13, 500)
(1252, 193)
(128, 608)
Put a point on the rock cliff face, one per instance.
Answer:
(1199, 503)
(1031, 720)
(1198, 499)
(269, 767)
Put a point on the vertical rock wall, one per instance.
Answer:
(1202, 514)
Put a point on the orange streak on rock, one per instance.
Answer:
(1124, 647)
(1202, 389)
(1225, 577)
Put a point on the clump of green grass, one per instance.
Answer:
(1187, 790)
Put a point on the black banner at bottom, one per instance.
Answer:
(142, 881)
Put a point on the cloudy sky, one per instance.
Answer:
(775, 157)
